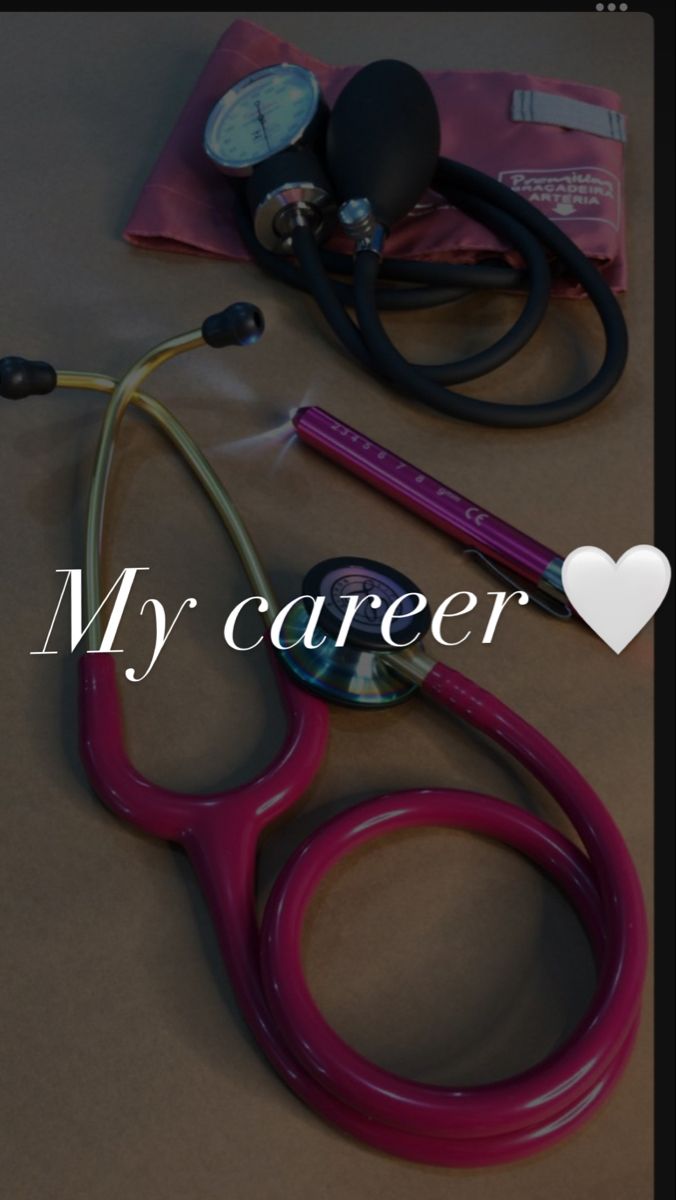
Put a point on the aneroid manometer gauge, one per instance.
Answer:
(263, 114)
(263, 128)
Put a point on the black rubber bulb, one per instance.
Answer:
(383, 137)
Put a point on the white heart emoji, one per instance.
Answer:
(616, 599)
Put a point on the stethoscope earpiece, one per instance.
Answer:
(21, 378)
(240, 324)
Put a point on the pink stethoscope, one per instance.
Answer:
(441, 1125)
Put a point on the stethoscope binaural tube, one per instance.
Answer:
(451, 1126)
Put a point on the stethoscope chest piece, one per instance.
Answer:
(354, 673)
(362, 622)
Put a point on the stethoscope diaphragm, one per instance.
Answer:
(346, 665)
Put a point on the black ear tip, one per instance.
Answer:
(240, 324)
(21, 377)
(248, 323)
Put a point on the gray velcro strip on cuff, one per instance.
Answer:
(547, 108)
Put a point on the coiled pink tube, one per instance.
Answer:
(472, 1126)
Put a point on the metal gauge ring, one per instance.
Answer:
(357, 673)
(261, 115)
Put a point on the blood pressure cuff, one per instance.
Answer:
(559, 144)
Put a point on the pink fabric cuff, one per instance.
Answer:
(575, 177)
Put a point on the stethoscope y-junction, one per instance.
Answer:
(370, 160)
(443, 1125)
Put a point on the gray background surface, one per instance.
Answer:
(126, 1070)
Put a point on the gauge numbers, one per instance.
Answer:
(262, 114)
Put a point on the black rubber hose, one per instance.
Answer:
(439, 283)
(324, 293)
(373, 353)
(414, 381)
(522, 226)
(532, 314)
(491, 274)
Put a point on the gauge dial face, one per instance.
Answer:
(262, 114)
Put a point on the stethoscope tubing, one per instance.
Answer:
(453, 1126)
(500, 1122)
(460, 1126)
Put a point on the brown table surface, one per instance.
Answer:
(126, 1070)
